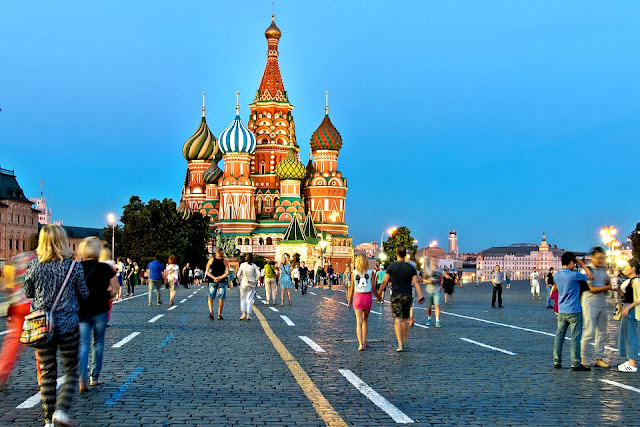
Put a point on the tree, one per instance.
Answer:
(634, 237)
(400, 237)
(157, 230)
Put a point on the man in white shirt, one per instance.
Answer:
(534, 278)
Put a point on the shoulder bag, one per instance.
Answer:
(37, 328)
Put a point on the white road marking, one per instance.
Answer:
(341, 290)
(421, 326)
(330, 299)
(172, 308)
(343, 303)
(155, 318)
(37, 398)
(287, 320)
(6, 332)
(127, 299)
(382, 403)
(125, 340)
(274, 309)
(190, 296)
(263, 301)
(376, 312)
(312, 344)
(510, 353)
(258, 296)
(184, 300)
(624, 386)
(313, 293)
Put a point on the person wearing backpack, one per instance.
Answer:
(360, 293)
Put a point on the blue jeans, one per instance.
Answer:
(628, 337)
(98, 326)
(550, 302)
(565, 321)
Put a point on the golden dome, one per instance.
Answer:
(273, 32)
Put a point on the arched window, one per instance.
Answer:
(239, 241)
(269, 241)
(246, 241)
(262, 167)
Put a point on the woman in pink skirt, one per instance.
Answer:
(363, 293)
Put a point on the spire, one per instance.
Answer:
(203, 107)
(271, 86)
(294, 231)
(237, 103)
(326, 105)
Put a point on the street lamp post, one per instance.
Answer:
(607, 233)
(111, 218)
(389, 232)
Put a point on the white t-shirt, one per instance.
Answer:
(295, 273)
(249, 271)
(363, 281)
(535, 278)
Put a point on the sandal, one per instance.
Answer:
(96, 382)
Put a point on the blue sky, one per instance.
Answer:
(500, 119)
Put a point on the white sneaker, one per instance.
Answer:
(626, 367)
(61, 419)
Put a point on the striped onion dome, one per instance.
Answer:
(202, 145)
(326, 137)
(184, 210)
(212, 174)
(291, 167)
(237, 138)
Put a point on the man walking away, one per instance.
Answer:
(594, 309)
(379, 278)
(549, 281)
(497, 277)
(304, 277)
(155, 269)
(567, 282)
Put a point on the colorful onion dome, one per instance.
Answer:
(184, 210)
(237, 138)
(202, 145)
(291, 167)
(273, 32)
(212, 174)
(326, 137)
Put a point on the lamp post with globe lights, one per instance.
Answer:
(111, 219)
(607, 234)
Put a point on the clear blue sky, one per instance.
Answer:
(501, 119)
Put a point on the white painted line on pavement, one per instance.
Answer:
(330, 299)
(172, 308)
(6, 332)
(313, 293)
(37, 398)
(510, 353)
(343, 303)
(421, 326)
(190, 296)
(127, 299)
(184, 300)
(274, 309)
(312, 344)
(263, 301)
(287, 320)
(155, 318)
(624, 386)
(341, 290)
(382, 403)
(376, 312)
(125, 340)
(258, 296)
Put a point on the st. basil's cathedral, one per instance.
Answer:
(265, 198)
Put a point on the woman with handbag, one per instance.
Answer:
(628, 335)
(55, 283)
(360, 292)
(248, 274)
(285, 279)
(94, 311)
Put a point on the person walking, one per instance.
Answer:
(347, 274)
(270, 285)
(156, 271)
(404, 278)
(217, 274)
(186, 275)
(136, 274)
(361, 293)
(433, 295)
(173, 277)
(295, 274)
(129, 271)
(497, 277)
(311, 277)
(549, 282)
(594, 310)
(448, 285)
(507, 278)
(102, 283)
(304, 278)
(43, 283)
(379, 278)
(534, 281)
(285, 279)
(567, 282)
(248, 275)
(628, 335)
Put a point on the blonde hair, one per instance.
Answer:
(362, 264)
(90, 248)
(53, 244)
(105, 255)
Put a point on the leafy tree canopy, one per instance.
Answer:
(634, 237)
(400, 237)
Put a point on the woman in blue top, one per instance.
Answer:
(285, 279)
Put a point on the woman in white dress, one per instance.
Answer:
(248, 275)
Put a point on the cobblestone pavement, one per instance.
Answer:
(184, 369)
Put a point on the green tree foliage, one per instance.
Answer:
(400, 237)
(156, 229)
(634, 237)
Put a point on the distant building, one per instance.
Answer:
(371, 249)
(431, 255)
(76, 234)
(519, 259)
(453, 242)
(18, 218)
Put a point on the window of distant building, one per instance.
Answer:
(10, 244)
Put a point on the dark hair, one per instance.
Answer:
(567, 257)
(597, 250)
(635, 264)
(249, 258)
(401, 251)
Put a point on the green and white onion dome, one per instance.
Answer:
(237, 138)
(212, 174)
(291, 167)
(202, 145)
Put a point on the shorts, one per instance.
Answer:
(218, 290)
(535, 288)
(432, 298)
(401, 306)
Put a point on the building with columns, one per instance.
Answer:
(264, 197)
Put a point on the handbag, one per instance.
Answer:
(37, 328)
(617, 311)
